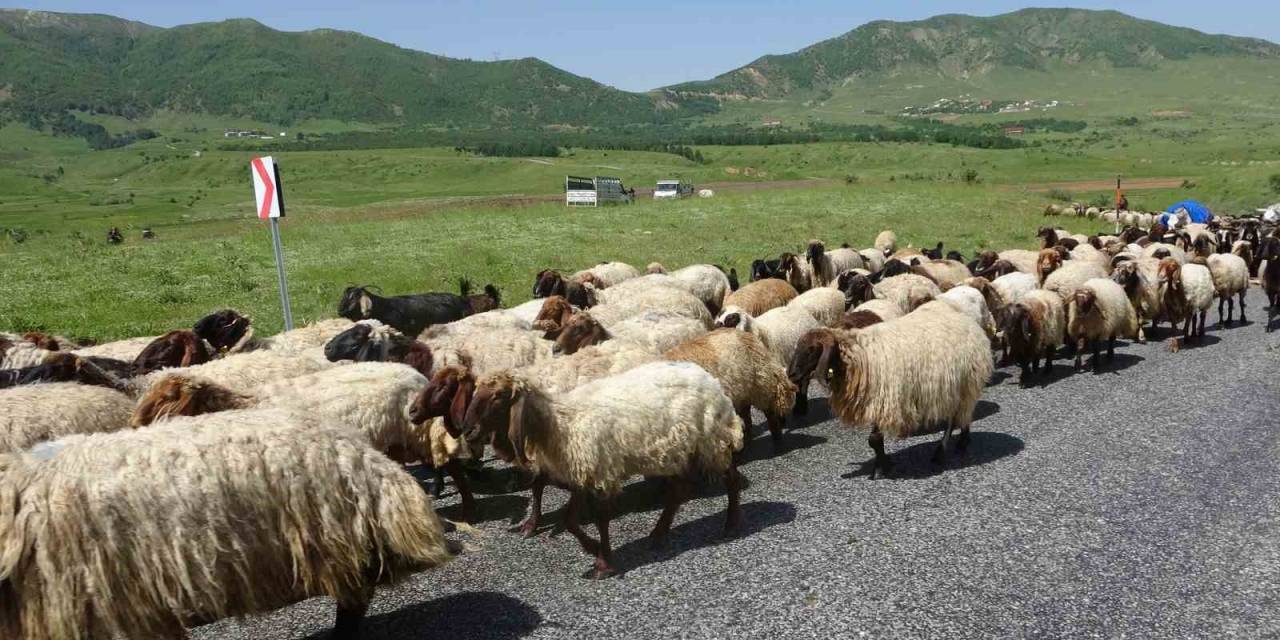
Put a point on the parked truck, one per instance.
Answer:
(672, 189)
(593, 192)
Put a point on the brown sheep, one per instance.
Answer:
(182, 348)
(760, 296)
(1047, 262)
(556, 312)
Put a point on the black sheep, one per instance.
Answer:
(407, 314)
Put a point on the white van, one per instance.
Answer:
(672, 189)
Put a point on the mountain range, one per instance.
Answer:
(51, 62)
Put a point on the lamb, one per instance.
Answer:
(890, 376)
(1099, 310)
(969, 301)
(1186, 293)
(408, 314)
(826, 265)
(30, 414)
(1139, 279)
(1070, 277)
(668, 420)
(825, 304)
(946, 273)
(142, 533)
(749, 373)
(606, 274)
(655, 331)
(760, 296)
(886, 242)
(908, 291)
(1230, 277)
(1035, 327)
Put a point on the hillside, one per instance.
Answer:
(959, 47)
(50, 62)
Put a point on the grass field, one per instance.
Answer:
(412, 220)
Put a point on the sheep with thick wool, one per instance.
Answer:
(1021, 259)
(126, 350)
(703, 281)
(141, 533)
(797, 271)
(668, 420)
(1161, 250)
(895, 377)
(827, 265)
(779, 329)
(871, 312)
(1230, 276)
(969, 301)
(34, 413)
(655, 331)
(873, 259)
(1099, 310)
(1186, 293)
(908, 290)
(886, 242)
(1035, 327)
(749, 373)
(760, 296)
(1140, 281)
(243, 372)
(606, 274)
(489, 350)
(946, 273)
(1072, 275)
(669, 300)
(825, 304)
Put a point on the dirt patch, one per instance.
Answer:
(1101, 185)
(1170, 113)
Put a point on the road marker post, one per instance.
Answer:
(269, 199)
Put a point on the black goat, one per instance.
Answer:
(479, 303)
(955, 255)
(934, 253)
(765, 269)
(407, 314)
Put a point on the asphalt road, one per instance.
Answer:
(1142, 502)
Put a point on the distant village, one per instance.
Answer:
(251, 133)
(966, 104)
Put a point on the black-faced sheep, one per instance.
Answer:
(1270, 252)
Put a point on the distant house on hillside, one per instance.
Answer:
(771, 121)
(1014, 131)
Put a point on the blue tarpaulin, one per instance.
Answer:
(1197, 212)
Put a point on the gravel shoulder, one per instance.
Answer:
(1143, 501)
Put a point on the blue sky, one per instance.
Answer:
(629, 45)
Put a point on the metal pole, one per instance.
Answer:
(284, 287)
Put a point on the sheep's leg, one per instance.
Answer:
(1221, 301)
(530, 524)
(677, 492)
(1200, 334)
(347, 624)
(962, 443)
(604, 553)
(941, 451)
(572, 513)
(744, 413)
(801, 407)
(437, 486)
(1096, 362)
(776, 422)
(459, 475)
(1242, 320)
(1025, 377)
(1079, 347)
(733, 487)
(881, 461)
(1048, 363)
(1111, 348)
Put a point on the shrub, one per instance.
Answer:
(1274, 181)
(971, 176)
(1061, 195)
(850, 180)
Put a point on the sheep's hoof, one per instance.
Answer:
(731, 529)
(526, 529)
(600, 573)
(1173, 345)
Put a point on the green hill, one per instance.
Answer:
(51, 62)
(960, 47)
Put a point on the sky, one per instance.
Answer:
(633, 46)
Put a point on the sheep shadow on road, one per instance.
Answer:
(916, 461)
(702, 532)
(763, 448)
(493, 615)
(819, 412)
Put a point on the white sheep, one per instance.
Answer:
(1158, 249)
(1072, 275)
(907, 290)
(1139, 278)
(886, 242)
(946, 273)
(825, 304)
(527, 312)
(895, 377)
(1230, 278)
(141, 533)
(244, 372)
(660, 299)
(487, 350)
(667, 420)
(37, 412)
(825, 265)
(707, 282)
(969, 301)
(606, 274)
(1012, 287)
(779, 329)
(1186, 293)
(125, 350)
(1022, 259)
(873, 258)
(1099, 310)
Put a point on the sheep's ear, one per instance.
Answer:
(190, 343)
(461, 400)
(516, 430)
(553, 334)
(825, 362)
(366, 305)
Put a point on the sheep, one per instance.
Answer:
(873, 259)
(1139, 279)
(372, 341)
(556, 312)
(1071, 276)
(946, 273)
(760, 296)
(436, 413)
(779, 329)
(30, 414)
(242, 372)
(970, 302)
(908, 291)
(1186, 293)
(894, 377)
(655, 268)
(797, 272)
(749, 373)
(1012, 287)
(494, 319)
(64, 366)
(825, 304)
(764, 269)
(310, 336)
(1230, 277)
(660, 299)
(493, 349)
(528, 311)
(408, 314)
(1048, 261)
(142, 533)
(655, 331)
(1161, 250)
(1021, 259)
(909, 256)
(668, 420)
(1034, 327)
(126, 349)
(1270, 252)
(1099, 310)
(17, 353)
(886, 243)
(709, 283)
(826, 265)
(606, 274)
(871, 312)
(1087, 253)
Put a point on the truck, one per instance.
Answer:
(671, 189)
(580, 191)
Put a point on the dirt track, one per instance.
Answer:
(1102, 185)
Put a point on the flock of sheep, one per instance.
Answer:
(156, 483)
